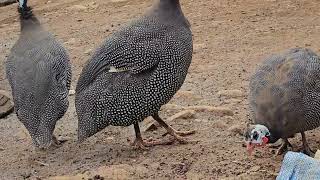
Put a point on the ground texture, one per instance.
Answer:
(230, 38)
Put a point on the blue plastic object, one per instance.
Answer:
(298, 166)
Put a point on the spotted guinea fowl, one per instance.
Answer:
(39, 74)
(285, 99)
(136, 71)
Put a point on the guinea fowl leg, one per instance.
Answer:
(306, 148)
(278, 144)
(176, 134)
(141, 144)
(284, 146)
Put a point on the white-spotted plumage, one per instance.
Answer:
(136, 70)
(39, 74)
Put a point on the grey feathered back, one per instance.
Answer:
(152, 56)
(39, 73)
(285, 92)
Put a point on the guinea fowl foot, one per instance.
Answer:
(278, 144)
(284, 147)
(306, 148)
(177, 135)
(181, 133)
(308, 151)
(139, 143)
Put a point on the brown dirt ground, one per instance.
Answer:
(230, 38)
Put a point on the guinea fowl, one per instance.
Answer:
(285, 99)
(136, 71)
(39, 74)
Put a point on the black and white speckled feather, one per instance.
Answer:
(135, 71)
(285, 93)
(39, 73)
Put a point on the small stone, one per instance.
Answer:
(110, 138)
(88, 51)
(231, 93)
(72, 92)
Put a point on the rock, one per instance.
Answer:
(88, 51)
(231, 93)
(6, 105)
(6, 2)
(72, 92)
(219, 111)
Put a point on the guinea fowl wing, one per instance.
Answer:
(128, 51)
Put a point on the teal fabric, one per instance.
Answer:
(298, 166)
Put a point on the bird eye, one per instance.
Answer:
(255, 135)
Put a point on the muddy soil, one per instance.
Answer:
(230, 38)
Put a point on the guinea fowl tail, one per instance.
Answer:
(27, 17)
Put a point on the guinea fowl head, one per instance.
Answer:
(27, 19)
(256, 136)
(168, 11)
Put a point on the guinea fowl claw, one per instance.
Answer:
(283, 148)
(143, 145)
(139, 145)
(182, 133)
(308, 152)
(180, 139)
(306, 148)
